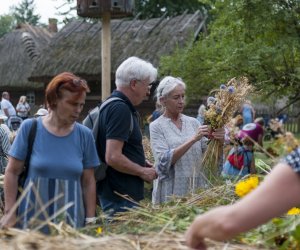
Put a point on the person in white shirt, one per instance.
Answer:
(23, 108)
(6, 106)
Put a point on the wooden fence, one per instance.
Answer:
(293, 125)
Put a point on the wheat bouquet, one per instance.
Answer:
(221, 108)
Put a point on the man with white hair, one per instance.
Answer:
(6, 106)
(119, 145)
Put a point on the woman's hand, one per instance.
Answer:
(88, 184)
(219, 134)
(203, 130)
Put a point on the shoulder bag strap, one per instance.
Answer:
(112, 99)
(31, 137)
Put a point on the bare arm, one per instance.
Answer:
(116, 159)
(278, 193)
(181, 150)
(89, 192)
(12, 172)
(5, 111)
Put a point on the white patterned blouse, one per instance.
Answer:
(186, 175)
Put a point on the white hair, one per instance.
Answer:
(167, 85)
(135, 68)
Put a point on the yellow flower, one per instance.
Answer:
(99, 230)
(244, 187)
(294, 211)
(253, 181)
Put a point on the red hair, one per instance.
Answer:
(64, 81)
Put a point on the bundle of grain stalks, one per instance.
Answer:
(221, 108)
(147, 149)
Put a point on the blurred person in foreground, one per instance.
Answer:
(119, 141)
(276, 195)
(177, 142)
(61, 169)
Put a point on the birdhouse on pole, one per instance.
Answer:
(105, 9)
(96, 8)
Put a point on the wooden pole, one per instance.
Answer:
(105, 56)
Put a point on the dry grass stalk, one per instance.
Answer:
(147, 149)
(13, 239)
(145, 227)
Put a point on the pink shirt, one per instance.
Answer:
(253, 130)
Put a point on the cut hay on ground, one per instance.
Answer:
(16, 239)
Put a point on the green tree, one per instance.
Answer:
(67, 10)
(6, 24)
(24, 13)
(156, 8)
(253, 38)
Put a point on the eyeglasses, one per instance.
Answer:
(150, 85)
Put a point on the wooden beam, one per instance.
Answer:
(106, 56)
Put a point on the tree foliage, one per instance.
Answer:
(156, 8)
(24, 13)
(67, 10)
(6, 24)
(253, 38)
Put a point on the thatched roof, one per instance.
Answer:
(19, 50)
(77, 47)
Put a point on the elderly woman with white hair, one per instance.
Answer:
(178, 142)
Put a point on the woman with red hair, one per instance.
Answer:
(60, 184)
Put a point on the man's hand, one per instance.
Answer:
(148, 174)
(148, 164)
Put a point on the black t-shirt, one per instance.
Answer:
(114, 123)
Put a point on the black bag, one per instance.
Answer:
(92, 122)
(31, 137)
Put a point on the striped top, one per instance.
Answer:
(56, 167)
(4, 148)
